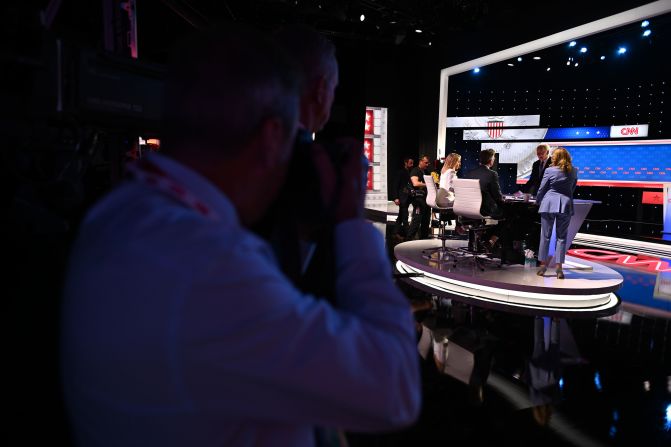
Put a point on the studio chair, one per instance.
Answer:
(445, 218)
(467, 203)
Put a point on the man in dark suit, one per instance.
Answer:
(537, 169)
(492, 199)
(401, 197)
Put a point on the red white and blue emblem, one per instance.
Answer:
(494, 127)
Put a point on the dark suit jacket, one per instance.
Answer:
(534, 182)
(490, 189)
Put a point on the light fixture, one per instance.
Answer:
(602, 57)
(576, 64)
(568, 62)
(418, 31)
(547, 69)
(583, 50)
(537, 58)
(519, 59)
(572, 44)
(511, 65)
(429, 43)
(362, 17)
(621, 50)
(644, 23)
(476, 70)
(647, 32)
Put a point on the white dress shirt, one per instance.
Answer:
(179, 330)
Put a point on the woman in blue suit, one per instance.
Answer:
(555, 204)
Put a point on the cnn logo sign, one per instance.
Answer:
(638, 130)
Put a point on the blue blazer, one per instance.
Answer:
(555, 195)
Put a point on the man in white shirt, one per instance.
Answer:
(178, 326)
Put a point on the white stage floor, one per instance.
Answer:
(587, 289)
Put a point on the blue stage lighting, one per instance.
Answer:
(583, 50)
(667, 418)
(644, 23)
(597, 381)
(476, 70)
(572, 44)
(646, 33)
(621, 50)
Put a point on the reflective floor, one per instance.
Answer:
(494, 378)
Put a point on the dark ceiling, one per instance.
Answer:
(457, 29)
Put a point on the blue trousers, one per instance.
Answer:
(547, 222)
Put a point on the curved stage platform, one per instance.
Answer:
(587, 291)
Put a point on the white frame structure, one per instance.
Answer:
(624, 18)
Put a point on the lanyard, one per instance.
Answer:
(151, 175)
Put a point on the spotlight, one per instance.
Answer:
(537, 58)
(476, 70)
(583, 50)
(621, 50)
(576, 64)
(418, 31)
(572, 44)
(547, 69)
(568, 62)
(644, 23)
(602, 57)
(646, 33)
(511, 65)
(429, 43)
(519, 59)
(362, 17)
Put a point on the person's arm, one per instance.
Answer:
(495, 188)
(543, 189)
(416, 183)
(256, 348)
(529, 186)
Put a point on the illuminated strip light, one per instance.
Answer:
(582, 303)
(651, 265)
(625, 245)
(583, 133)
(483, 121)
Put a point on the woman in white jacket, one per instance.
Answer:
(448, 173)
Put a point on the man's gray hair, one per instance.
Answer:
(223, 85)
(312, 50)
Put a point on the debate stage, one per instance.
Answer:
(587, 290)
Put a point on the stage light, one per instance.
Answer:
(548, 69)
(561, 383)
(429, 43)
(621, 50)
(602, 57)
(583, 50)
(519, 59)
(476, 70)
(667, 418)
(646, 33)
(418, 31)
(568, 62)
(572, 44)
(644, 23)
(597, 381)
(362, 17)
(576, 64)
(537, 58)
(511, 65)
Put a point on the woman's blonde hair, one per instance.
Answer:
(451, 161)
(562, 159)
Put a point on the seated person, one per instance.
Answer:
(445, 196)
(492, 199)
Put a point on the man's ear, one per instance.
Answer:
(272, 143)
(321, 89)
